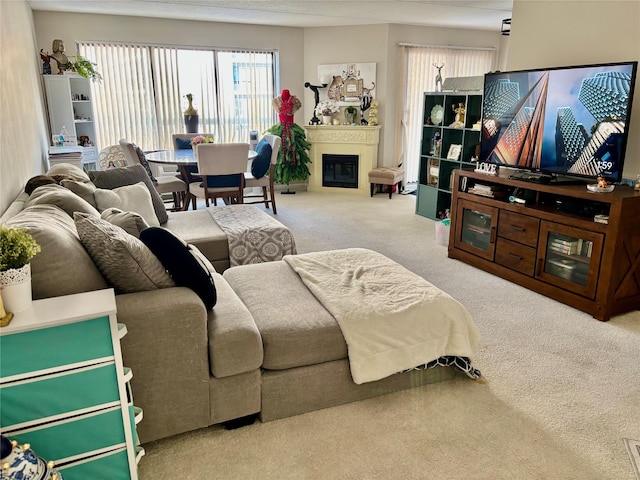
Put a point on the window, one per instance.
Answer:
(143, 94)
(420, 77)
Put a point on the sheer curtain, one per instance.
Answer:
(420, 77)
(123, 103)
(143, 93)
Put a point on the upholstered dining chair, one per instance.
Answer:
(258, 166)
(183, 141)
(165, 184)
(222, 167)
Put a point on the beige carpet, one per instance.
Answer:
(562, 389)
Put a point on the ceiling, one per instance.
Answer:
(478, 14)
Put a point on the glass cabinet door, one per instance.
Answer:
(476, 228)
(570, 258)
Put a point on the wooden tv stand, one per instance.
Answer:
(551, 243)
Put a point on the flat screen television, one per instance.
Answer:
(567, 121)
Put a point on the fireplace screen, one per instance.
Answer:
(340, 171)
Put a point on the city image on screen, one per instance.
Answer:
(568, 121)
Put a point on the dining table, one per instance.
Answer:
(183, 159)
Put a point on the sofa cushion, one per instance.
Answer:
(61, 197)
(84, 190)
(69, 170)
(129, 198)
(235, 345)
(296, 329)
(63, 266)
(196, 227)
(130, 222)
(124, 260)
(119, 177)
(187, 266)
(261, 163)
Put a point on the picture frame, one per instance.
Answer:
(454, 152)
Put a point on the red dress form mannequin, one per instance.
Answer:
(293, 158)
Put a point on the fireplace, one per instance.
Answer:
(340, 171)
(355, 148)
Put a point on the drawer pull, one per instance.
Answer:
(513, 255)
(516, 228)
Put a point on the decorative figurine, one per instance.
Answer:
(438, 76)
(59, 56)
(46, 62)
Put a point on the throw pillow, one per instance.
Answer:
(130, 222)
(58, 195)
(84, 190)
(63, 266)
(70, 170)
(186, 265)
(124, 260)
(130, 175)
(130, 198)
(183, 144)
(261, 163)
(144, 163)
(38, 181)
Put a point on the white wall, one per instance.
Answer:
(560, 33)
(23, 132)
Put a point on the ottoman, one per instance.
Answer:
(386, 176)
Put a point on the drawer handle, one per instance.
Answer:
(516, 228)
(513, 255)
(492, 238)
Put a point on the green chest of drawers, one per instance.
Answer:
(64, 390)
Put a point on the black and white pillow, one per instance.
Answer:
(185, 263)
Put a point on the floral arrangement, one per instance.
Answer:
(201, 139)
(18, 248)
(327, 107)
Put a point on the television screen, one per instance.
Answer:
(568, 121)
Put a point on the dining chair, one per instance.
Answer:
(165, 184)
(222, 167)
(183, 141)
(265, 181)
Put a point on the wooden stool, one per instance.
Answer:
(386, 176)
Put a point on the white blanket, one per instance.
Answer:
(391, 318)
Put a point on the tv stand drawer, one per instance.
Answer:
(516, 256)
(519, 228)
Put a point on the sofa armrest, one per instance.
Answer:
(166, 348)
(235, 344)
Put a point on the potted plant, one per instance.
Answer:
(83, 67)
(18, 248)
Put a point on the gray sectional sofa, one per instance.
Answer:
(268, 347)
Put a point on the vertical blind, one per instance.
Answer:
(143, 93)
(420, 75)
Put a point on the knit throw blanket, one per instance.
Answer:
(253, 236)
(392, 319)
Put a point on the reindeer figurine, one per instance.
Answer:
(438, 77)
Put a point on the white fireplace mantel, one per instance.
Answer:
(343, 140)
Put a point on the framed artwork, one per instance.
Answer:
(454, 152)
(349, 82)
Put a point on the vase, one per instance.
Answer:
(16, 288)
(326, 119)
(191, 117)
